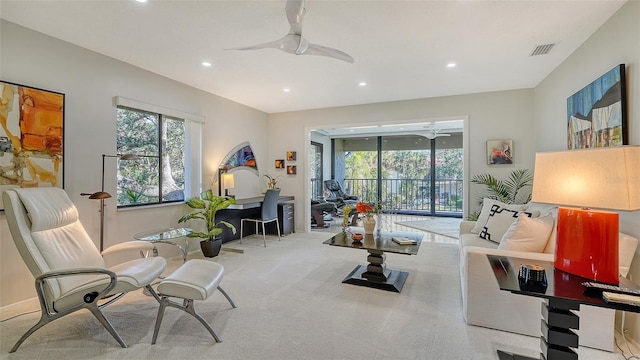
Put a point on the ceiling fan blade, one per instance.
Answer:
(320, 50)
(295, 13)
(268, 45)
(432, 134)
(293, 42)
(289, 43)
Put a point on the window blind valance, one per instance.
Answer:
(135, 104)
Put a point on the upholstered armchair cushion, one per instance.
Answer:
(48, 209)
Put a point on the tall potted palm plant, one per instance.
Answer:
(207, 205)
(508, 191)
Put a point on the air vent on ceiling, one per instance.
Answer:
(542, 49)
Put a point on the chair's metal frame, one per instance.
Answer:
(186, 306)
(90, 302)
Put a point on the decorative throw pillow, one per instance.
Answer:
(486, 209)
(498, 223)
(529, 234)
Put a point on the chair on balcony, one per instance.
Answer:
(321, 213)
(338, 196)
(70, 272)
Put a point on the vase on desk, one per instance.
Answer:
(369, 224)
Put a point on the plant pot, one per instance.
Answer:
(211, 248)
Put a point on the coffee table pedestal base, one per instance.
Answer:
(376, 275)
(394, 282)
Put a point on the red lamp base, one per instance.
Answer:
(587, 244)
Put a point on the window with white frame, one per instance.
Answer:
(167, 144)
(158, 141)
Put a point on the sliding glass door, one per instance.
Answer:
(360, 167)
(315, 169)
(408, 173)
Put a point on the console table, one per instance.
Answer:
(376, 274)
(563, 296)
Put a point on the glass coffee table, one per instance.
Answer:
(167, 236)
(375, 274)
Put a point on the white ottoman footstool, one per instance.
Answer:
(194, 280)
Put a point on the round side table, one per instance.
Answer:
(167, 236)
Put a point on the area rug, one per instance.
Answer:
(438, 225)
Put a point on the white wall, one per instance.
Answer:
(89, 82)
(616, 42)
(495, 115)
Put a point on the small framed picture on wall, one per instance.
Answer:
(280, 164)
(499, 152)
(291, 169)
(291, 156)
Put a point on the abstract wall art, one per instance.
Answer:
(31, 137)
(597, 114)
(241, 157)
(499, 152)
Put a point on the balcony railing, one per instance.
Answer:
(405, 195)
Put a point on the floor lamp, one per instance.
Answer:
(101, 195)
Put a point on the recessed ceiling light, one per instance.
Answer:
(451, 65)
(286, 90)
(204, 63)
(362, 83)
(143, 1)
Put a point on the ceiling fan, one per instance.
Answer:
(293, 42)
(433, 133)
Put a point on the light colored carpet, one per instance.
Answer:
(291, 305)
(437, 225)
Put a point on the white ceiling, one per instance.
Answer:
(401, 48)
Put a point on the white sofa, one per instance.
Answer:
(484, 304)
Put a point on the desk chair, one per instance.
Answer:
(70, 272)
(269, 213)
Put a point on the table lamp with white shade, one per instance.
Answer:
(585, 180)
(228, 181)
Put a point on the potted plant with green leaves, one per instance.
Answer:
(506, 191)
(208, 205)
